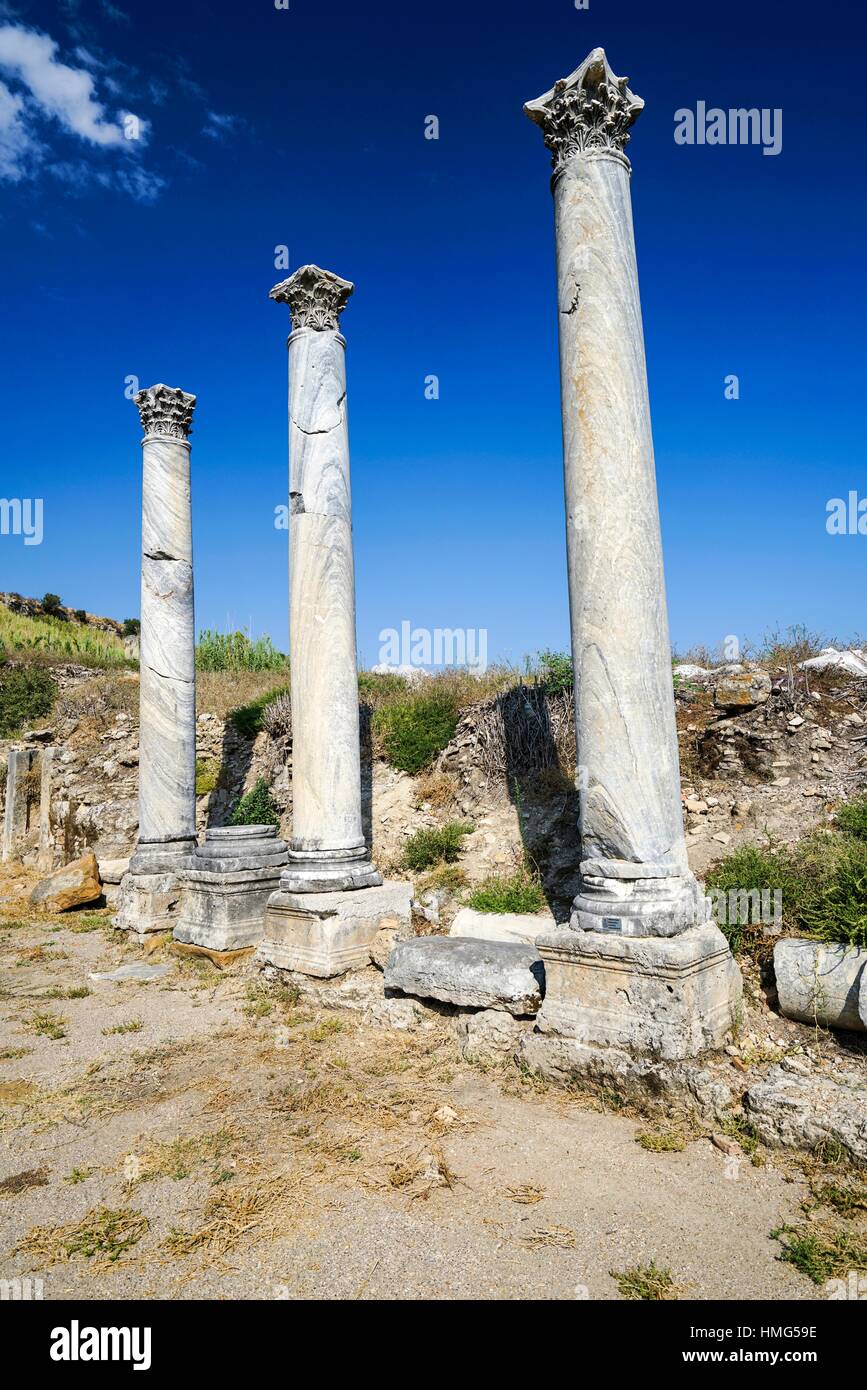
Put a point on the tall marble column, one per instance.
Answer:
(642, 964)
(327, 849)
(167, 733)
(634, 867)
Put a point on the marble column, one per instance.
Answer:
(332, 905)
(327, 849)
(167, 732)
(634, 873)
(642, 968)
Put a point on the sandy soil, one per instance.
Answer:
(258, 1148)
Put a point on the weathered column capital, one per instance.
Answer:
(166, 410)
(316, 298)
(589, 112)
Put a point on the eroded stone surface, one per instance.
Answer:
(481, 974)
(791, 1110)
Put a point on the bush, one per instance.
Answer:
(441, 845)
(256, 808)
(26, 692)
(234, 651)
(414, 731)
(80, 615)
(838, 911)
(852, 818)
(248, 720)
(207, 776)
(131, 627)
(52, 606)
(517, 892)
(555, 672)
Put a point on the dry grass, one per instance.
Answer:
(525, 1194)
(437, 790)
(220, 692)
(103, 1234)
(524, 731)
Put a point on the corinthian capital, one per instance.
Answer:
(316, 298)
(592, 109)
(166, 410)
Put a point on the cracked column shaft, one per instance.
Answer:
(327, 849)
(634, 875)
(167, 747)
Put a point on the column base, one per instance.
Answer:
(328, 871)
(326, 934)
(162, 856)
(626, 899)
(665, 998)
(226, 891)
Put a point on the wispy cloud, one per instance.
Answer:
(220, 127)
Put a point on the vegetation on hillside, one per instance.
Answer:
(26, 693)
(822, 881)
(256, 808)
(57, 639)
(237, 651)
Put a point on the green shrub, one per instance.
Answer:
(838, 910)
(441, 845)
(51, 604)
(131, 627)
(852, 818)
(414, 731)
(555, 671)
(234, 651)
(208, 772)
(375, 684)
(517, 892)
(256, 808)
(26, 692)
(247, 719)
(80, 615)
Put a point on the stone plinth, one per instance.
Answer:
(326, 934)
(662, 998)
(19, 816)
(225, 891)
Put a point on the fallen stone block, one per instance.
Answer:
(742, 690)
(137, 970)
(523, 927)
(500, 975)
(791, 1110)
(73, 885)
(821, 982)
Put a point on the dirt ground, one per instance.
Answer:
(199, 1136)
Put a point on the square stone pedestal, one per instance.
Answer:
(326, 934)
(660, 997)
(226, 889)
(148, 902)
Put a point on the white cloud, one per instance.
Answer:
(219, 127)
(17, 149)
(67, 94)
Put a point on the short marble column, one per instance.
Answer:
(167, 701)
(332, 903)
(327, 849)
(643, 966)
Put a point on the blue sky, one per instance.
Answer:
(305, 127)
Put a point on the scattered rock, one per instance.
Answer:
(726, 1145)
(489, 1033)
(854, 661)
(74, 885)
(742, 690)
(137, 970)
